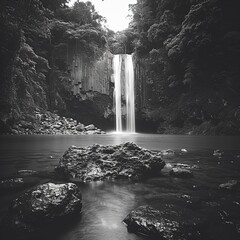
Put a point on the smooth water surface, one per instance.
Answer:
(105, 204)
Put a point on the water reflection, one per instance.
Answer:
(105, 204)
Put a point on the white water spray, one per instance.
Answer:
(117, 62)
(130, 99)
(129, 92)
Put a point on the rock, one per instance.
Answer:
(218, 153)
(11, 183)
(184, 166)
(149, 221)
(90, 127)
(80, 127)
(26, 125)
(99, 162)
(230, 185)
(51, 123)
(26, 173)
(181, 172)
(57, 126)
(168, 224)
(43, 204)
(168, 152)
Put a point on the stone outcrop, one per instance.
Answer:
(42, 205)
(97, 162)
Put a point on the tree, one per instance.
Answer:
(54, 4)
(81, 13)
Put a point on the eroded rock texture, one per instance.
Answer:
(44, 204)
(96, 162)
(146, 220)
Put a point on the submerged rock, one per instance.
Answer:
(11, 184)
(168, 152)
(181, 172)
(218, 153)
(43, 204)
(99, 162)
(20, 180)
(230, 185)
(26, 172)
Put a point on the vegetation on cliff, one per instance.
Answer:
(37, 40)
(187, 69)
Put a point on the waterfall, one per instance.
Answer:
(130, 97)
(129, 91)
(117, 62)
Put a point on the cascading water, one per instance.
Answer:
(130, 97)
(129, 92)
(117, 62)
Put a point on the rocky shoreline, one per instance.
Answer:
(52, 124)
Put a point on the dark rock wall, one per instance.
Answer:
(84, 88)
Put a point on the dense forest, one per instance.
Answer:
(187, 57)
(58, 59)
(38, 39)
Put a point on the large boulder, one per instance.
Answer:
(43, 204)
(149, 221)
(171, 223)
(98, 162)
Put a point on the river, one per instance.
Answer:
(105, 204)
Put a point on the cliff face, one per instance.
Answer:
(80, 84)
(187, 68)
(52, 64)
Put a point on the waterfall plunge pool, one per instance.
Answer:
(105, 204)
